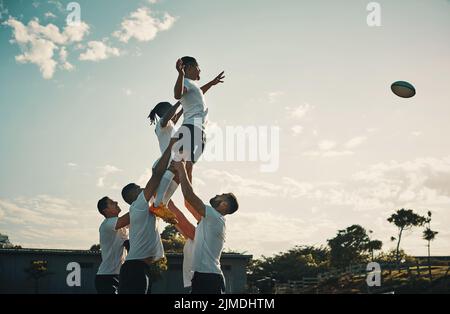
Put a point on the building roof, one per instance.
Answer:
(88, 252)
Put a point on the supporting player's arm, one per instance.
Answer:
(183, 226)
(179, 85)
(123, 221)
(192, 211)
(218, 79)
(187, 190)
(170, 115)
(158, 172)
(177, 116)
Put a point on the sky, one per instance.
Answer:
(74, 102)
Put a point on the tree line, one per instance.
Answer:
(352, 245)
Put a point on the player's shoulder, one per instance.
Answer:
(108, 224)
(212, 213)
(140, 203)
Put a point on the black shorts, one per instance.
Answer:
(106, 284)
(197, 140)
(207, 283)
(135, 278)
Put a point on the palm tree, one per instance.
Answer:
(404, 219)
(429, 235)
(373, 245)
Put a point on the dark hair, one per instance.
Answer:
(159, 110)
(233, 204)
(102, 205)
(189, 61)
(126, 193)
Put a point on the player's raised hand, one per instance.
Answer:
(179, 166)
(180, 66)
(218, 79)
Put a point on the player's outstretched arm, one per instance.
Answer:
(218, 79)
(158, 172)
(192, 211)
(183, 226)
(123, 221)
(177, 116)
(187, 190)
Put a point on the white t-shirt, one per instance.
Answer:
(188, 252)
(145, 240)
(111, 245)
(164, 134)
(195, 111)
(209, 241)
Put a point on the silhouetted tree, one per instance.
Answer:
(6, 244)
(299, 262)
(374, 245)
(350, 246)
(4, 241)
(172, 240)
(404, 219)
(429, 235)
(391, 256)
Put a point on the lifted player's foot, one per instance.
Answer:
(164, 213)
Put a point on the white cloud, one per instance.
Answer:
(356, 141)
(143, 179)
(38, 43)
(274, 96)
(76, 32)
(59, 6)
(286, 187)
(101, 182)
(105, 171)
(416, 133)
(374, 194)
(294, 189)
(72, 164)
(63, 59)
(268, 231)
(97, 51)
(240, 185)
(326, 150)
(142, 25)
(301, 111)
(420, 184)
(50, 15)
(50, 222)
(328, 153)
(40, 52)
(333, 153)
(423, 182)
(297, 130)
(326, 145)
(70, 34)
(108, 169)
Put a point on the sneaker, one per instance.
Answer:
(164, 213)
